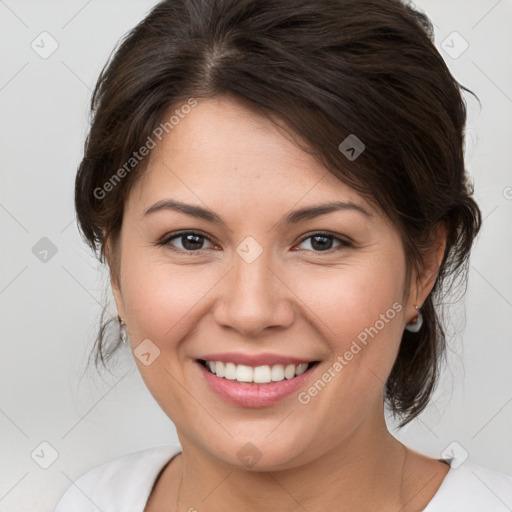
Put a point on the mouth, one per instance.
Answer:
(264, 374)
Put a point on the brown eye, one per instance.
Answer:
(323, 242)
(190, 241)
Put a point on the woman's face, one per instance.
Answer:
(257, 286)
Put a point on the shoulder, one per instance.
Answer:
(473, 488)
(123, 483)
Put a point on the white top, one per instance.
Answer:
(125, 483)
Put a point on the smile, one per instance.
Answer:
(255, 374)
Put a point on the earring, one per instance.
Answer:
(122, 330)
(416, 326)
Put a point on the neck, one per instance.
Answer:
(362, 472)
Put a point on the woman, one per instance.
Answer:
(279, 191)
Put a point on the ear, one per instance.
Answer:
(426, 279)
(112, 260)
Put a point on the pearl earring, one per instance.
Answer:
(416, 326)
(122, 331)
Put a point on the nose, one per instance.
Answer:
(253, 297)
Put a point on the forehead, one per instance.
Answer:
(222, 149)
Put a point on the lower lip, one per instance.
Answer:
(254, 395)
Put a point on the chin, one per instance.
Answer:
(261, 453)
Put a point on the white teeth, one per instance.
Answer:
(244, 373)
(301, 368)
(289, 371)
(230, 372)
(259, 374)
(262, 375)
(277, 372)
(220, 369)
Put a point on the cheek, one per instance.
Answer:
(159, 296)
(161, 300)
(350, 300)
(361, 322)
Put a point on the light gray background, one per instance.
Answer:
(49, 310)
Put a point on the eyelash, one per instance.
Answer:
(167, 239)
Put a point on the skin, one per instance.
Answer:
(334, 453)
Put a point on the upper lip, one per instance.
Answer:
(254, 359)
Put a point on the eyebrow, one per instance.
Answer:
(306, 213)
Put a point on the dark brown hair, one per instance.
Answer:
(323, 69)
